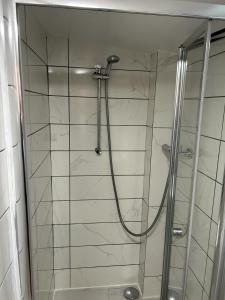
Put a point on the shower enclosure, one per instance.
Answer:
(144, 154)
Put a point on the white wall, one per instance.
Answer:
(91, 248)
(209, 180)
(38, 156)
(14, 275)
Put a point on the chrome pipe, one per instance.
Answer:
(179, 97)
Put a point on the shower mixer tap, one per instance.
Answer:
(187, 153)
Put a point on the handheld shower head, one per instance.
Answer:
(112, 59)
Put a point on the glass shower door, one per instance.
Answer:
(189, 96)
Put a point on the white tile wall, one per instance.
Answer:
(58, 81)
(91, 211)
(61, 212)
(60, 137)
(86, 54)
(164, 98)
(102, 276)
(80, 175)
(37, 119)
(102, 233)
(213, 117)
(211, 168)
(60, 163)
(205, 193)
(155, 244)
(60, 188)
(61, 235)
(6, 252)
(100, 187)
(59, 111)
(122, 111)
(83, 137)
(152, 287)
(159, 165)
(88, 163)
(194, 289)
(35, 35)
(107, 255)
(13, 262)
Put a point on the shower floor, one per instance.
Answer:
(111, 293)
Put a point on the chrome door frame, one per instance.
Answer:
(179, 98)
(207, 42)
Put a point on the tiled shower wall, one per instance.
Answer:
(209, 180)
(14, 274)
(38, 156)
(90, 247)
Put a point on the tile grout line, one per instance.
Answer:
(69, 116)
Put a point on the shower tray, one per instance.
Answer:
(104, 293)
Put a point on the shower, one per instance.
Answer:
(104, 74)
(112, 59)
(112, 219)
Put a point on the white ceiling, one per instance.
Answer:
(204, 8)
(145, 32)
(206, 1)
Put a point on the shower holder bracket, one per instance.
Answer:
(187, 153)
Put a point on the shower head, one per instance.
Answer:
(112, 59)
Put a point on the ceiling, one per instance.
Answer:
(146, 32)
(206, 1)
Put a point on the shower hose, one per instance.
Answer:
(114, 182)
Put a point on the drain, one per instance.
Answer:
(131, 293)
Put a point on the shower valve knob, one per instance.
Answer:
(178, 232)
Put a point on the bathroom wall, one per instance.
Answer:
(209, 180)
(14, 271)
(38, 156)
(90, 247)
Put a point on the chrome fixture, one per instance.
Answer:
(178, 232)
(179, 97)
(174, 294)
(112, 59)
(98, 75)
(205, 29)
(187, 153)
(131, 293)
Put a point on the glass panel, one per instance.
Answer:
(188, 140)
(211, 166)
